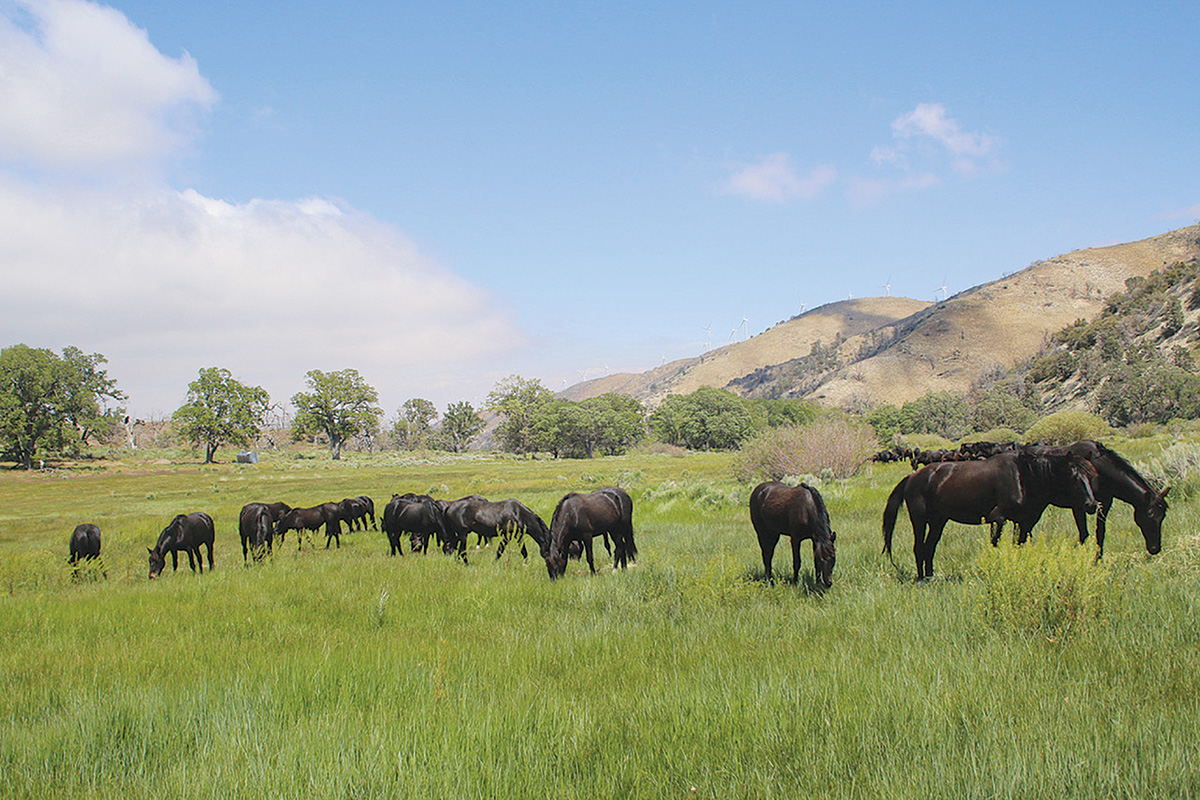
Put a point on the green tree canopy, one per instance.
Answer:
(340, 405)
(706, 419)
(51, 402)
(220, 410)
(414, 423)
(460, 424)
(516, 400)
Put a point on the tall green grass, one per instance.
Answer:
(1018, 672)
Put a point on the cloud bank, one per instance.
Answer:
(165, 281)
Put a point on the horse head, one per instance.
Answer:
(1149, 517)
(157, 562)
(1085, 483)
(824, 559)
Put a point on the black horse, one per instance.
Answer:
(370, 510)
(84, 545)
(310, 519)
(1016, 485)
(187, 532)
(799, 513)
(257, 529)
(1117, 479)
(420, 516)
(579, 517)
(354, 513)
(507, 519)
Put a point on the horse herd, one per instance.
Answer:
(1013, 483)
(578, 518)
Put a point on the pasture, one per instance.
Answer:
(1015, 672)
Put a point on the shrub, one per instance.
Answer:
(1063, 427)
(834, 444)
(1178, 467)
(1056, 592)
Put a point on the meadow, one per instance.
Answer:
(1016, 672)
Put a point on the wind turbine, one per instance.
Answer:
(802, 307)
(707, 338)
(887, 287)
(745, 329)
(941, 289)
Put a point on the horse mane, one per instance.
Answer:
(1124, 466)
(819, 502)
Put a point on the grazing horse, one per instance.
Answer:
(420, 516)
(187, 532)
(799, 513)
(257, 528)
(1117, 479)
(354, 513)
(370, 512)
(508, 519)
(1015, 485)
(579, 517)
(310, 519)
(84, 545)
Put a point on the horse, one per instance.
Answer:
(1015, 485)
(507, 519)
(420, 516)
(310, 519)
(579, 517)
(84, 545)
(354, 513)
(186, 532)
(1118, 479)
(370, 512)
(257, 528)
(799, 513)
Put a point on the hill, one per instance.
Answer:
(891, 350)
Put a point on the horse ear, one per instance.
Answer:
(1163, 493)
(833, 536)
(150, 550)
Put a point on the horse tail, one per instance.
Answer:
(894, 501)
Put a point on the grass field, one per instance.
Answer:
(1028, 672)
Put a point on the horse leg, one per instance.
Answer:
(1080, 523)
(245, 552)
(997, 529)
(931, 542)
(192, 561)
(500, 547)
(587, 546)
(175, 560)
(209, 546)
(795, 558)
(766, 543)
(1101, 525)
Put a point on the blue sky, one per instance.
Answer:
(442, 194)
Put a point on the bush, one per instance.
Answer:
(1178, 467)
(1055, 592)
(836, 444)
(1064, 427)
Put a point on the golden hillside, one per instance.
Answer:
(795, 337)
(896, 349)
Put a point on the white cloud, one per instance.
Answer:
(970, 152)
(165, 282)
(82, 88)
(929, 119)
(775, 179)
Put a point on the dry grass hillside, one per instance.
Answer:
(896, 349)
(787, 340)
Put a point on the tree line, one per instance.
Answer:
(59, 402)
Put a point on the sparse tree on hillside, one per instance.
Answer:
(340, 405)
(220, 410)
